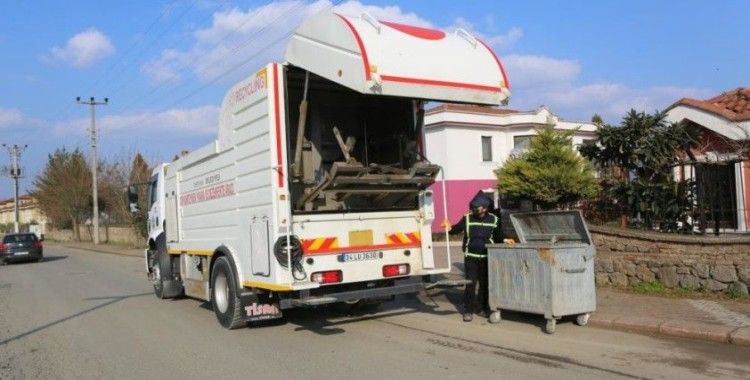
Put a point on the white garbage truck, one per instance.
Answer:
(317, 189)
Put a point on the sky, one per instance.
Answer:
(165, 65)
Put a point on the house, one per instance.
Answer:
(720, 166)
(28, 213)
(471, 142)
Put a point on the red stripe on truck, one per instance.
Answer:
(432, 82)
(279, 167)
(361, 45)
(499, 64)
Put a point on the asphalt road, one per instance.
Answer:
(87, 315)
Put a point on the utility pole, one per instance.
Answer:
(92, 103)
(15, 173)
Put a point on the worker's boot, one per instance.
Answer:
(468, 317)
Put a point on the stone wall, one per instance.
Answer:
(112, 234)
(628, 257)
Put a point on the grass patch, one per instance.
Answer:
(736, 295)
(656, 288)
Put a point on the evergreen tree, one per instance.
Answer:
(550, 174)
(63, 189)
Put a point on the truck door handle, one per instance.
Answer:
(576, 270)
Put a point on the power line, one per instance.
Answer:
(15, 152)
(92, 103)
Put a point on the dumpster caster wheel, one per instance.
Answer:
(550, 327)
(495, 317)
(582, 319)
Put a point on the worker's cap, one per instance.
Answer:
(480, 202)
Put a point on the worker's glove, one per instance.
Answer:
(446, 225)
(509, 241)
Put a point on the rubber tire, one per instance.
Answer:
(582, 319)
(166, 286)
(549, 328)
(495, 317)
(232, 318)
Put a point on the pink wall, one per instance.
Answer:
(459, 194)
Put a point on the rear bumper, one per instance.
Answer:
(10, 257)
(352, 295)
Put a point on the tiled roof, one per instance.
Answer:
(732, 105)
(469, 108)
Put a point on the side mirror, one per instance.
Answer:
(133, 199)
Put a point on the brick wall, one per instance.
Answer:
(628, 257)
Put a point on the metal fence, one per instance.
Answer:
(692, 220)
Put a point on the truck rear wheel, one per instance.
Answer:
(225, 296)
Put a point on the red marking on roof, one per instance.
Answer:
(415, 31)
(499, 64)
(432, 82)
(362, 50)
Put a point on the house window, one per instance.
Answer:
(486, 148)
(521, 142)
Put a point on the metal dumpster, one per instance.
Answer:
(549, 272)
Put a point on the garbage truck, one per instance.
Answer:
(316, 189)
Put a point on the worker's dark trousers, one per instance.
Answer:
(475, 270)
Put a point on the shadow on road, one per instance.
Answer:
(326, 320)
(112, 300)
(34, 262)
(53, 258)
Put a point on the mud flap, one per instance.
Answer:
(259, 307)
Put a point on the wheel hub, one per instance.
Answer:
(221, 292)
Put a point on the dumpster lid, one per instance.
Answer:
(386, 58)
(551, 227)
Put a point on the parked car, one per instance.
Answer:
(21, 247)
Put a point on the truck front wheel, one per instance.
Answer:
(225, 296)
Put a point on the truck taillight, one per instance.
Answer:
(3, 246)
(328, 277)
(395, 270)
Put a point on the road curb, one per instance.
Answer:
(740, 336)
(669, 327)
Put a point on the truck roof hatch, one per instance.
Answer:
(386, 58)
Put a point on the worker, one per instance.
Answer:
(480, 227)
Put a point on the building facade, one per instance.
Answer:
(719, 164)
(471, 142)
(28, 213)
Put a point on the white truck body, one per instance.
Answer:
(237, 197)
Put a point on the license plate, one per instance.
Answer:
(360, 256)
(21, 253)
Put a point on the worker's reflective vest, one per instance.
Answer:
(480, 230)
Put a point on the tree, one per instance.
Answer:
(63, 189)
(139, 176)
(639, 155)
(596, 119)
(113, 180)
(550, 174)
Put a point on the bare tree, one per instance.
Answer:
(139, 176)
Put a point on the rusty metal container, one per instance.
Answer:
(549, 272)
